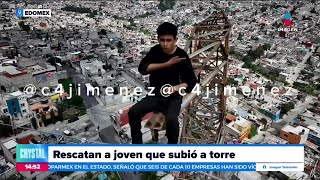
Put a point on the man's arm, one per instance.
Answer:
(145, 62)
(187, 76)
(171, 62)
(157, 66)
(145, 66)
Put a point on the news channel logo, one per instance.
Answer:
(33, 13)
(287, 22)
(287, 19)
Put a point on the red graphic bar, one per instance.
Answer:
(32, 167)
(287, 22)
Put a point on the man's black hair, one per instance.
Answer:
(167, 28)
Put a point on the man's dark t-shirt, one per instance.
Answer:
(181, 72)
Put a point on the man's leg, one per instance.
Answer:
(172, 122)
(136, 113)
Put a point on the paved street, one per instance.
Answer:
(297, 70)
(99, 116)
(90, 101)
(132, 80)
(300, 108)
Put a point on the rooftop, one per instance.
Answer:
(12, 70)
(241, 112)
(295, 130)
(26, 139)
(10, 144)
(248, 175)
(17, 93)
(295, 174)
(231, 117)
(242, 122)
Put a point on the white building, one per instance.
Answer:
(16, 106)
(136, 73)
(9, 150)
(232, 102)
(91, 68)
(9, 169)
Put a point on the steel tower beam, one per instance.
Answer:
(203, 118)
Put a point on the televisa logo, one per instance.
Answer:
(287, 22)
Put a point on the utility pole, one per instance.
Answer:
(13, 126)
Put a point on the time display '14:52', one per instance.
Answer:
(32, 166)
(41, 167)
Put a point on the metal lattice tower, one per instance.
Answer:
(203, 119)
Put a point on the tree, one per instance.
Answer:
(247, 59)
(103, 32)
(263, 8)
(253, 131)
(89, 175)
(60, 115)
(47, 36)
(149, 176)
(232, 82)
(266, 46)
(5, 130)
(34, 123)
(53, 116)
(23, 26)
(44, 119)
(66, 85)
(91, 15)
(76, 101)
(264, 122)
(184, 22)
(53, 60)
(165, 5)
(240, 37)
(119, 45)
(286, 108)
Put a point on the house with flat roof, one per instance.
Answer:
(242, 175)
(11, 77)
(239, 128)
(6, 169)
(294, 134)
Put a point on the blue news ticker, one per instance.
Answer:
(19, 12)
(127, 167)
